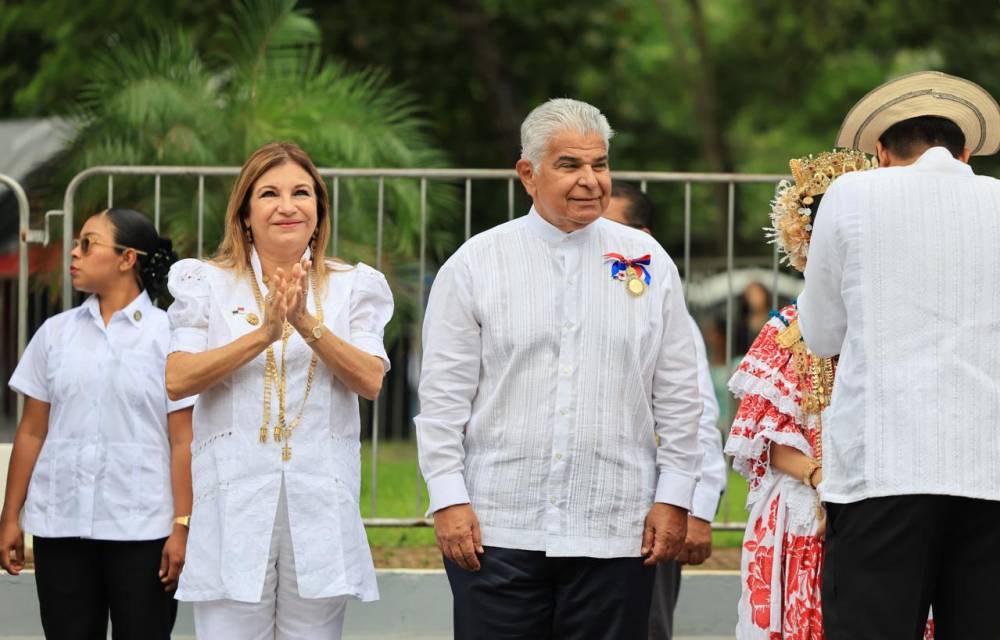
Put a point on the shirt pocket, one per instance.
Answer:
(137, 480)
(141, 378)
(71, 372)
(55, 480)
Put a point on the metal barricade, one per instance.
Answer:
(22, 269)
(464, 177)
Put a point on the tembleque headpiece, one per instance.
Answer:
(792, 209)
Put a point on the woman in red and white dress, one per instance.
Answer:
(776, 437)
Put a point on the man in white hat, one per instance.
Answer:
(903, 282)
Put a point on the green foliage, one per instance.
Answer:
(162, 100)
(697, 85)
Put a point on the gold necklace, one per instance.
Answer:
(815, 384)
(282, 430)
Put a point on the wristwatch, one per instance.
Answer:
(183, 520)
(315, 334)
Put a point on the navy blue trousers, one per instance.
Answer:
(524, 595)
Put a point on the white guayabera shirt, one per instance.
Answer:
(237, 479)
(104, 470)
(712, 482)
(544, 384)
(903, 281)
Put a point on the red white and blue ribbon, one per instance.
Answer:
(620, 265)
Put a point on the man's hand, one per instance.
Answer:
(11, 547)
(172, 558)
(663, 535)
(458, 537)
(698, 544)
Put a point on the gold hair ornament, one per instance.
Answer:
(791, 212)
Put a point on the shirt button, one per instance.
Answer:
(568, 326)
(564, 411)
(571, 280)
(558, 456)
(566, 371)
(552, 500)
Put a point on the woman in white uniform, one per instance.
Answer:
(279, 343)
(92, 457)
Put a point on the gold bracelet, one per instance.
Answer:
(808, 473)
(183, 521)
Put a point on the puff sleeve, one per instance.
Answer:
(189, 313)
(371, 309)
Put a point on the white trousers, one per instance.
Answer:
(281, 614)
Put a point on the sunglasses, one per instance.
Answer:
(86, 242)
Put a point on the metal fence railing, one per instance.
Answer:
(22, 268)
(462, 178)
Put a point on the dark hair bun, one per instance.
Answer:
(154, 267)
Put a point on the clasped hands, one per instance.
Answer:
(286, 301)
(666, 536)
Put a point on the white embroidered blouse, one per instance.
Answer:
(236, 478)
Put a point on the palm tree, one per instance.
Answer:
(163, 101)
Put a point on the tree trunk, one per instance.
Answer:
(699, 75)
(488, 60)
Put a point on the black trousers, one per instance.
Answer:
(524, 595)
(80, 581)
(666, 589)
(888, 560)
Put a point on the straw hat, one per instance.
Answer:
(925, 93)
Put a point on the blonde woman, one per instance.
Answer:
(279, 343)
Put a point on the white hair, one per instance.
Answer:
(556, 116)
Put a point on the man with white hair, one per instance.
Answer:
(556, 347)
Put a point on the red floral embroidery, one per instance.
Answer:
(801, 556)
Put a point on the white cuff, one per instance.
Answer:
(188, 339)
(705, 502)
(445, 491)
(675, 488)
(371, 343)
(183, 403)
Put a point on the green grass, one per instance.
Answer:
(399, 481)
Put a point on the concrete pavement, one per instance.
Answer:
(415, 605)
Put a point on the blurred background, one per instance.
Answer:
(722, 86)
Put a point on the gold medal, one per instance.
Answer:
(252, 319)
(634, 283)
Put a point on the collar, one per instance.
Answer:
(134, 311)
(940, 160)
(552, 234)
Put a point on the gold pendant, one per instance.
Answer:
(790, 335)
(278, 433)
(286, 452)
(263, 434)
(634, 283)
(252, 319)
